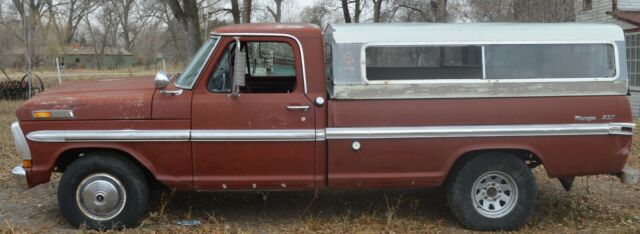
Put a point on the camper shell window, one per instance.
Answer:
(423, 62)
(531, 61)
(550, 61)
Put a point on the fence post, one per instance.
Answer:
(58, 69)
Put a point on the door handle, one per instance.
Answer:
(298, 107)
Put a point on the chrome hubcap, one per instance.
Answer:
(494, 194)
(101, 196)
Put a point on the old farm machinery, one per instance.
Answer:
(11, 89)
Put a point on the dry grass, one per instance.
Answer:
(596, 204)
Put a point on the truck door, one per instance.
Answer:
(262, 139)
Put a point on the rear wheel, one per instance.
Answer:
(493, 191)
(103, 191)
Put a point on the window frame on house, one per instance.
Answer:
(632, 44)
(587, 5)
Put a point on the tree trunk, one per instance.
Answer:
(345, 11)
(127, 6)
(377, 5)
(235, 11)
(187, 16)
(441, 11)
(357, 11)
(277, 14)
(246, 11)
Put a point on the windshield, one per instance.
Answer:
(190, 74)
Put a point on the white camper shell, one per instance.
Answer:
(434, 60)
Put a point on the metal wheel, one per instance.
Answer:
(494, 194)
(101, 196)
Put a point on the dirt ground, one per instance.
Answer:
(596, 204)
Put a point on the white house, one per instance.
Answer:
(626, 14)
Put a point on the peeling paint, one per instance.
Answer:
(116, 99)
(471, 90)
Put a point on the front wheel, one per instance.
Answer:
(103, 191)
(492, 191)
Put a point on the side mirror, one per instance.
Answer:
(161, 80)
(239, 69)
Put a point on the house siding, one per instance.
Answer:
(91, 61)
(598, 13)
(629, 5)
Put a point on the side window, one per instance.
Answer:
(423, 62)
(271, 59)
(221, 79)
(550, 61)
(328, 60)
(270, 68)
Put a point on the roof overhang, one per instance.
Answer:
(632, 17)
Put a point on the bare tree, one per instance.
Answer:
(317, 12)
(102, 35)
(187, 15)
(67, 15)
(544, 10)
(345, 11)
(440, 8)
(235, 11)
(377, 10)
(277, 13)
(246, 11)
(131, 19)
(34, 10)
(521, 10)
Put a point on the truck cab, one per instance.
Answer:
(288, 107)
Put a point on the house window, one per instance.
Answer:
(77, 60)
(633, 58)
(587, 5)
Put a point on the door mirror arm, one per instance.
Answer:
(161, 81)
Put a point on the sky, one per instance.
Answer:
(303, 3)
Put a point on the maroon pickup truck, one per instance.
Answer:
(470, 107)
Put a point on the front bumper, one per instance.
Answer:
(20, 174)
(20, 177)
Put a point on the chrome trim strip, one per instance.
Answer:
(304, 70)
(480, 131)
(625, 129)
(254, 135)
(109, 135)
(57, 114)
(20, 177)
(321, 135)
(20, 142)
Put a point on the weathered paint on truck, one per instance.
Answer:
(193, 138)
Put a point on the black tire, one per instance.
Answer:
(473, 209)
(100, 168)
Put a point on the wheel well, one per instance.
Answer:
(69, 156)
(532, 160)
